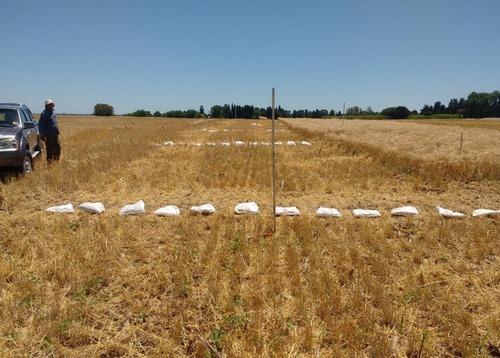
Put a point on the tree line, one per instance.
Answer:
(231, 111)
(190, 113)
(476, 105)
(253, 112)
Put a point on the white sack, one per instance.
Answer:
(211, 144)
(362, 213)
(287, 211)
(449, 213)
(168, 142)
(304, 142)
(169, 210)
(328, 212)
(133, 209)
(278, 143)
(254, 143)
(205, 209)
(196, 144)
(290, 142)
(239, 143)
(96, 208)
(404, 211)
(225, 144)
(67, 208)
(264, 143)
(485, 212)
(247, 208)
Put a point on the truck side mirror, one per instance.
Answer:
(28, 125)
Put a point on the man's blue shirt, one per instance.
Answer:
(47, 125)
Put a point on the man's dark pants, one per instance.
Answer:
(53, 147)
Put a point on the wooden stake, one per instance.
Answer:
(461, 142)
(343, 117)
(274, 163)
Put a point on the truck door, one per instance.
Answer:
(29, 133)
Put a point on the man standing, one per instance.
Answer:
(49, 131)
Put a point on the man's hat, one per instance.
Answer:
(49, 101)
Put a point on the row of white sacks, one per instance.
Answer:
(240, 143)
(213, 130)
(253, 209)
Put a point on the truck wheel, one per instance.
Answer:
(27, 165)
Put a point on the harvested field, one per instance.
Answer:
(86, 285)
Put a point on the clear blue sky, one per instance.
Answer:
(164, 55)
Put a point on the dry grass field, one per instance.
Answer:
(435, 152)
(82, 285)
(487, 123)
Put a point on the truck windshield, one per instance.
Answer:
(9, 118)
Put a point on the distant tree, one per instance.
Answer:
(232, 112)
(216, 112)
(227, 111)
(439, 108)
(353, 110)
(478, 105)
(495, 104)
(190, 113)
(299, 113)
(140, 113)
(427, 110)
(269, 112)
(157, 114)
(317, 113)
(281, 113)
(103, 109)
(202, 110)
(400, 112)
(461, 106)
(452, 106)
(173, 114)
